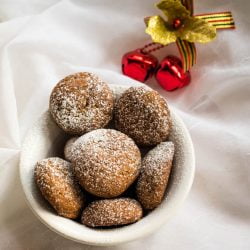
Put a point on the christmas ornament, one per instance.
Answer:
(170, 74)
(179, 24)
(139, 65)
(183, 28)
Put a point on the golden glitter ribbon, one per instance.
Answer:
(184, 28)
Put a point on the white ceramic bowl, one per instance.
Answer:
(45, 139)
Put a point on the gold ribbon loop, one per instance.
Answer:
(189, 5)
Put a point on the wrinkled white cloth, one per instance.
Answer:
(42, 41)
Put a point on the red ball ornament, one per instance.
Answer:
(170, 74)
(138, 65)
(177, 23)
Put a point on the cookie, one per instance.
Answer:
(155, 171)
(55, 179)
(111, 212)
(69, 149)
(143, 115)
(107, 162)
(80, 103)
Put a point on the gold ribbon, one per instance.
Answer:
(221, 20)
(186, 49)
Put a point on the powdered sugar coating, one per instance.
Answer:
(69, 148)
(81, 102)
(155, 171)
(143, 115)
(55, 179)
(112, 212)
(106, 162)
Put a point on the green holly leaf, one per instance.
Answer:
(197, 30)
(173, 9)
(159, 31)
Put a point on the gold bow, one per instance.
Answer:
(180, 24)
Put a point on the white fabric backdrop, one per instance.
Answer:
(42, 41)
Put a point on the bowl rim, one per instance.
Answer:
(127, 237)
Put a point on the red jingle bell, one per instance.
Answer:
(170, 74)
(139, 65)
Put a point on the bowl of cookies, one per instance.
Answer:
(106, 164)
